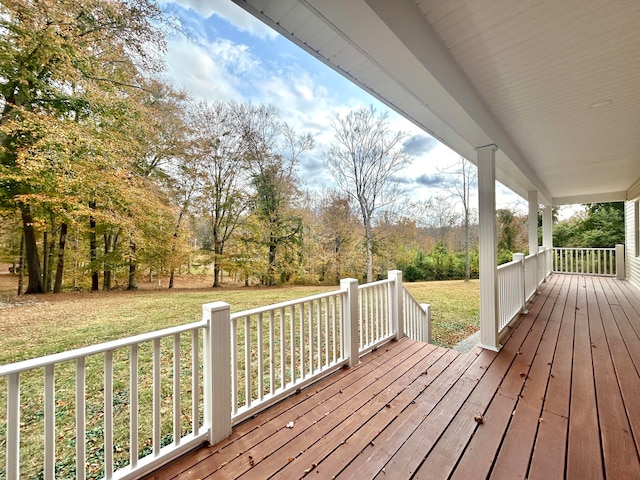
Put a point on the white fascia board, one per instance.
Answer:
(591, 198)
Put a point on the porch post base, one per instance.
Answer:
(491, 348)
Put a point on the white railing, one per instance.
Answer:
(531, 275)
(276, 350)
(139, 402)
(107, 417)
(586, 261)
(417, 318)
(375, 314)
(518, 281)
(510, 291)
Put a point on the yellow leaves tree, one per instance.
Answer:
(67, 73)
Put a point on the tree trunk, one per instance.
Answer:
(133, 285)
(21, 266)
(93, 246)
(369, 248)
(57, 286)
(217, 249)
(31, 251)
(106, 274)
(51, 252)
(273, 250)
(45, 259)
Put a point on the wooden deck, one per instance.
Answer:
(560, 400)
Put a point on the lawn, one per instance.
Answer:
(43, 324)
(33, 326)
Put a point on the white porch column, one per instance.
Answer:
(533, 222)
(547, 236)
(487, 247)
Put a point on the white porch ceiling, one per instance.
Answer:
(526, 76)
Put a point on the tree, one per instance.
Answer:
(363, 161)
(63, 63)
(273, 151)
(601, 226)
(512, 234)
(461, 188)
(220, 146)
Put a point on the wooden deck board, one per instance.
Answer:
(560, 400)
(584, 457)
(618, 446)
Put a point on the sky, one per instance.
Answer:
(229, 55)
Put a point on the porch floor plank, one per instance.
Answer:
(618, 445)
(584, 458)
(560, 400)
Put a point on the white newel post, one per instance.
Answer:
(487, 244)
(426, 328)
(519, 257)
(396, 303)
(217, 370)
(350, 316)
(620, 262)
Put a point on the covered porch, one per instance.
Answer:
(560, 399)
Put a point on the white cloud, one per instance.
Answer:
(232, 13)
(307, 98)
(203, 74)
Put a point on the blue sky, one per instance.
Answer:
(229, 55)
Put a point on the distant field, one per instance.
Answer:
(36, 325)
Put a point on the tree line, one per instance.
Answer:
(108, 173)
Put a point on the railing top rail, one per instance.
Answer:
(585, 248)
(54, 358)
(532, 255)
(288, 303)
(375, 284)
(512, 263)
(409, 294)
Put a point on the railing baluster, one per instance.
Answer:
(195, 383)
(156, 424)
(319, 332)
(311, 339)
(283, 364)
(108, 414)
(13, 426)
(80, 419)
(272, 362)
(335, 330)
(326, 332)
(260, 358)
(247, 361)
(49, 423)
(176, 390)
(292, 341)
(133, 402)
(303, 369)
(234, 367)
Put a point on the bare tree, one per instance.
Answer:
(221, 147)
(363, 161)
(466, 177)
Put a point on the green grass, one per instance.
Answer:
(51, 324)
